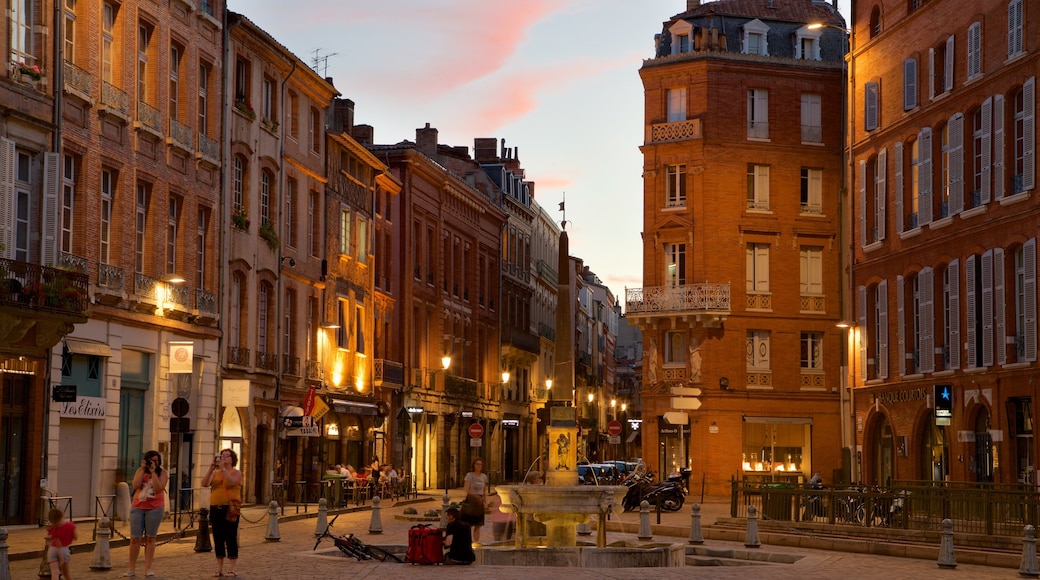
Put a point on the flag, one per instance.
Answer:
(308, 401)
(320, 408)
(561, 205)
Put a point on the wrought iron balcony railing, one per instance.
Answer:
(690, 298)
(388, 372)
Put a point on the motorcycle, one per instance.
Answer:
(669, 495)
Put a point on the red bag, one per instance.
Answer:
(425, 545)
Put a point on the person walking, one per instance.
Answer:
(62, 534)
(225, 501)
(146, 511)
(476, 485)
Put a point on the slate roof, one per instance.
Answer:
(803, 11)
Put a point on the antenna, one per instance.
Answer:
(320, 62)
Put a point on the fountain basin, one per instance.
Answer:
(561, 509)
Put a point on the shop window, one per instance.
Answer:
(779, 448)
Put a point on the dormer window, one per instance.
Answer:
(807, 43)
(682, 37)
(754, 37)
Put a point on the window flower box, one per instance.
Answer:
(246, 108)
(240, 219)
(268, 234)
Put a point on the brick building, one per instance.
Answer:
(944, 242)
(742, 174)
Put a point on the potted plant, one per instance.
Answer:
(268, 234)
(243, 106)
(240, 219)
(30, 70)
(269, 124)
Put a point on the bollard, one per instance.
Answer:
(696, 537)
(375, 525)
(751, 540)
(202, 539)
(444, 521)
(45, 567)
(1029, 567)
(644, 521)
(102, 556)
(272, 525)
(946, 559)
(322, 523)
(5, 563)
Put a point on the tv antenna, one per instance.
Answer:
(320, 62)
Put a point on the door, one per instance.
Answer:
(13, 448)
(131, 432)
(77, 466)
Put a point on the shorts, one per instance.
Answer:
(59, 554)
(145, 522)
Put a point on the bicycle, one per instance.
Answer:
(353, 547)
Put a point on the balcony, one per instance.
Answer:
(110, 288)
(78, 81)
(114, 100)
(290, 365)
(148, 117)
(205, 307)
(313, 370)
(34, 287)
(145, 297)
(461, 388)
(209, 149)
(267, 361)
(708, 304)
(238, 356)
(757, 130)
(547, 332)
(812, 134)
(388, 373)
(520, 340)
(180, 135)
(674, 131)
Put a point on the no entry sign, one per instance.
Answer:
(476, 430)
(614, 428)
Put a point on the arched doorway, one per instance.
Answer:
(884, 453)
(982, 458)
(935, 453)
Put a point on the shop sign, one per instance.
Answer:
(414, 410)
(84, 408)
(510, 422)
(673, 430)
(943, 404)
(903, 395)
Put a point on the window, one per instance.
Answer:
(267, 110)
(758, 187)
(171, 234)
(362, 245)
(875, 21)
(940, 68)
(873, 318)
(242, 76)
(175, 72)
(343, 332)
(871, 97)
(757, 350)
(758, 114)
(811, 260)
(265, 197)
(675, 265)
(674, 347)
(144, 39)
(236, 299)
(1025, 301)
(263, 319)
(314, 223)
(21, 41)
(812, 351)
(807, 43)
(290, 212)
(359, 329)
(344, 232)
(108, 35)
(140, 226)
(754, 36)
(288, 340)
(105, 217)
(201, 233)
(909, 84)
(293, 118)
(22, 211)
(675, 186)
(315, 130)
(203, 98)
(811, 196)
(873, 200)
(238, 180)
(757, 268)
(981, 154)
(974, 50)
(1023, 128)
(1014, 37)
(944, 172)
(812, 124)
(68, 202)
(681, 37)
(70, 32)
(676, 105)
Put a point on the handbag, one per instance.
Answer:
(234, 510)
(472, 506)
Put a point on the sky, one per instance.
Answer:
(557, 79)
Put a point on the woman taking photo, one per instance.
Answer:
(225, 495)
(146, 511)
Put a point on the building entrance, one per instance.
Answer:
(14, 412)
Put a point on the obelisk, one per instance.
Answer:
(562, 469)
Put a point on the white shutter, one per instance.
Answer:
(969, 307)
(948, 66)
(762, 267)
(909, 84)
(1029, 134)
(999, 300)
(870, 106)
(926, 284)
(51, 208)
(987, 157)
(987, 308)
(931, 73)
(7, 159)
(1029, 298)
(864, 239)
(864, 336)
(900, 326)
(882, 372)
(998, 147)
(974, 49)
(956, 164)
(882, 163)
(762, 184)
(954, 322)
(924, 174)
(898, 193)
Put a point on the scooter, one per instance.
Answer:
(668, 494)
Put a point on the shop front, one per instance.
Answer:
(674, 440)
(777, 450)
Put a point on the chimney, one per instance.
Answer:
(343, 119)
(691, 4)
(364, 134)
(426, 141)
(485, 149)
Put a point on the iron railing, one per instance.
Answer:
(686, 298)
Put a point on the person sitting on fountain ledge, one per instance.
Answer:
(458, 540)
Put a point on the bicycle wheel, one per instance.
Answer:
(382, 555)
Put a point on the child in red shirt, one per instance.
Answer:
(62, 534)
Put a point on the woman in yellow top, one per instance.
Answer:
(225, 484)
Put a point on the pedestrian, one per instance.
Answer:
(225, 501)
(146, 511)
(476, 497)
(457, 539)
(503, 523)
(62, 534)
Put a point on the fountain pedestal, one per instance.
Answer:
(561, 509)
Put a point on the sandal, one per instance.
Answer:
(218, 574)
(231, 573)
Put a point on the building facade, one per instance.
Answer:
(742, 171)
(942, 120)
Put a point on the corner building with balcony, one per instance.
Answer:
(742, 171)
(944, 239)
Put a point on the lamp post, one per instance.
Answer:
(445, 364)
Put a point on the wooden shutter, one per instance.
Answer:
(870, 106)
(987, 149)
(974, 49)
(7, 198)
(864, 239)
(931, 73)
(987, 308)
(924, 172)
(948, 66)
(900, 326)
(864, 336)
(909, 84)
(898, 193)
(954, 322)
(969, 308)
(883, 326)
(1029, 134)
(926, 285)
(998, 147)
(1029, 299)
(882, 165)
(999, 312)
(51, 208)
(956, 128)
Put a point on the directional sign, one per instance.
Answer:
(690, 403)
(686, 391)
(614, 428)
(476, 430)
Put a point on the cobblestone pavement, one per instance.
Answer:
(293, 557)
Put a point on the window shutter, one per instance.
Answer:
(927, 286)
(987, 138)
(882, 163)
(998, 147)
(898, 193)
(1029, 298)
(1029, 134)
(969, 307)
(7, 160)
(762, 267)
(931, 73)
(956, 127)
(870, 107)
(999, 300)
(762, 184)
(864, 239)
(974, 49)
(954, 322)
(51, 208)
(864, 335)
(924, 169)
(948, 66)
(909, 84)
(883, 326)
(987, 308)
(900, 326)
(762, 108)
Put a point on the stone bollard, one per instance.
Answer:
(272, 524)
(946, 559)
(751, 540)
(375, 525)
(45, 567)
(102, 557)
(322, 522)
(644, 521)
(444, 508)
(696, 536)
(5, 563)
(202, 539)
(1029, 567)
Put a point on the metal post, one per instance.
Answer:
(272, 524)
(102, 556)
(375, 525)
(946, 558)
(202, 543)
(1029, 567)
(751, 539)
(696, 536)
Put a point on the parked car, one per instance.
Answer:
(598, 474)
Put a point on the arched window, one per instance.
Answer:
(875, 21)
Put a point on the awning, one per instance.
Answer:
(780, 420)
(354, 407)
(91, 347)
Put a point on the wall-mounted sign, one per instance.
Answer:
(236, 393)
(414, 410)
(181, 354)
(943, 404)
(63, 393)
(84, 408)
(510, 422)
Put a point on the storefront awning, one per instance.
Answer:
(354, 407)
(780, 420)
(90, 347)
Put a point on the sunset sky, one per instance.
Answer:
(557, 79)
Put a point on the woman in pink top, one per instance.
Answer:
(146, 511)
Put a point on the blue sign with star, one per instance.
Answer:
(944, 401)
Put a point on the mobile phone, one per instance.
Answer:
(217, 459)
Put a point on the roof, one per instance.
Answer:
(784, 10)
